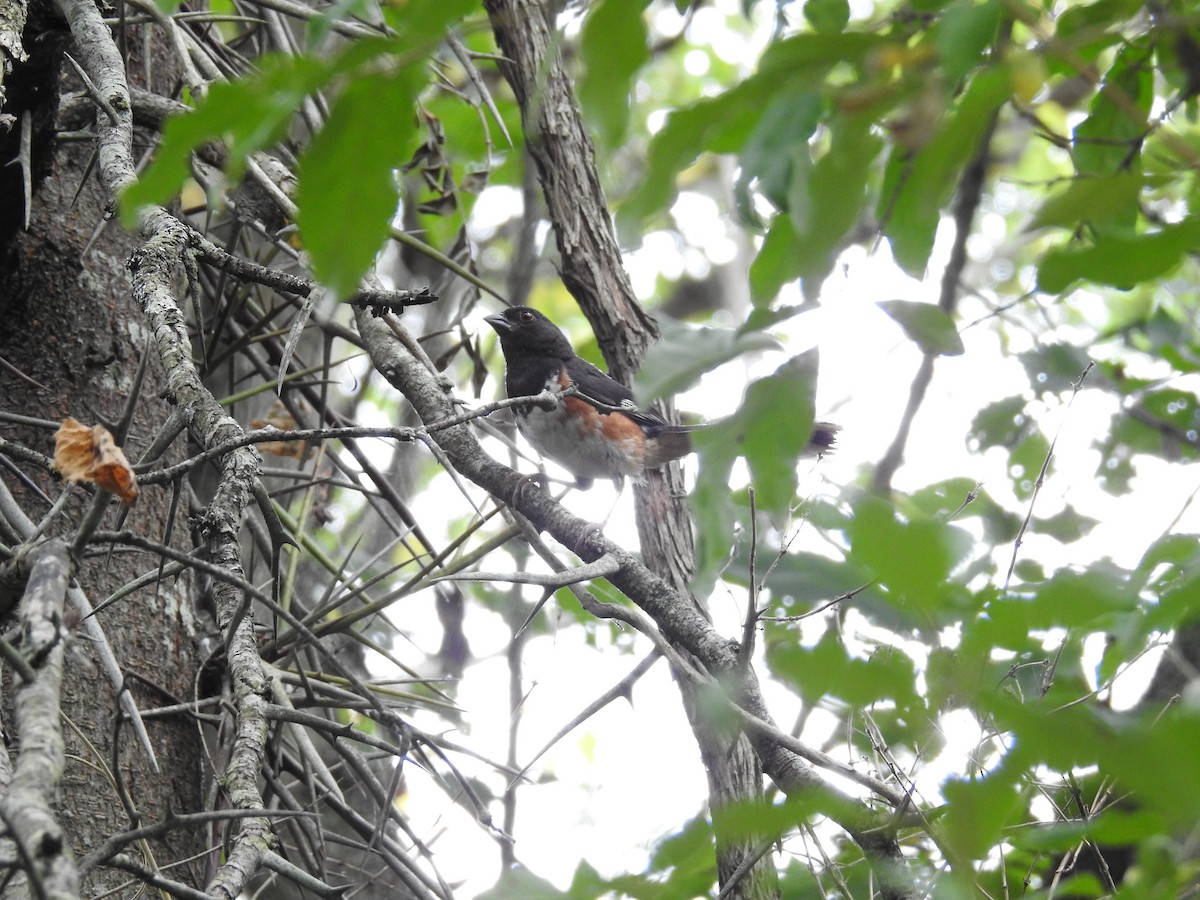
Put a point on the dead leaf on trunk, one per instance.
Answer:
(91, 454)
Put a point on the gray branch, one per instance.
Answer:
(41, 845)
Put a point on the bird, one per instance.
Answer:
(597, 430)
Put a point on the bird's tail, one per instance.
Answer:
(823, 437)
(675, 441)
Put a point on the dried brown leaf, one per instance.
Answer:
(83, 453)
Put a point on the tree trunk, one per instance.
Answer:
(71, 343)
(591, 269)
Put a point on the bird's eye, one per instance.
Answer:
(526, 315)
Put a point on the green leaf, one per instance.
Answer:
(518, 883)
(685, 353)
(1145, 756)
(1109, 139)
(690, 848)
(1001, 423)
(965, 31)
(418, 27)
(1177, 555)
(827, 670)
(346, 191)
(926, 325)
(248, 114)
(922, 185)
(1082, 600)
(944, 497)
(827, 16)
(1067, 525)
(1119, 261)
(1054, 367)
(777, 145)
(587, 883)
(712, 502)
(706, 125)
(774, 424)
(1026, 461)
(1098, 199)
(770, 443)
(912, 557)
(614, 49)
(1171, 405)
(800, 581)
(825, 200)
(723, 123)
(810, 56)
(978, 810)
(777, 262)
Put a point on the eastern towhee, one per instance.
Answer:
(597, 431)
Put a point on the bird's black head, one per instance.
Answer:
(526, 331)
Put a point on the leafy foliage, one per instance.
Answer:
(1035, 168)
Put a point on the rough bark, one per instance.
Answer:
(72, 339)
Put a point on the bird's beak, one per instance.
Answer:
(498, 322)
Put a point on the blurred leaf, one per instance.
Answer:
(1054, 367)
(1085, 18)
(1069, 599)
(690, 848)
(1084, 200)
(773, 426)
(978, 810)
(965, 32)
(614, 49)
(999, 424)
(777, 262)
(1108, 140)
(827, 16)
(800, 580)
(1115, 470)
(587, 883)
(798, 882)
(419, 27)
(248, 114)
(715, 516)
(926, 325)
(1172, 556)
(714, 122)
(944, 497)
(1067, 525)
(723, 123)
(913, 557)
(1119, 261)
(1179, 408)
(811, 55)
(685, 353)
(519, 883)
(1140, 753)
(827, 670)
(924, 183)
(812, 672)
(1026, 460)
(825, 202)
(346, 191)
(777, 145)
(921, 184)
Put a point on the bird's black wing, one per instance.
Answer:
(600, 389)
